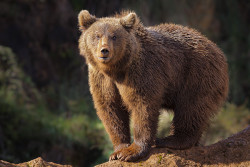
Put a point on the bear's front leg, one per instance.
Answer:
(145, 120)
(110, 109)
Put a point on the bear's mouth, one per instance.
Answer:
(104, 59)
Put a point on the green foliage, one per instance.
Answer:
(28, 127)
(164, 123)
(236, 41)
(230, 120)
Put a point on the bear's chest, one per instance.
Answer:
(129, 95)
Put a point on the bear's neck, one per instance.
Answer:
(118, 71)
(116, 75)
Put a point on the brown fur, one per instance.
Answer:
(146, 69)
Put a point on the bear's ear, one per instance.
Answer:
(85, 19)
(128, 21)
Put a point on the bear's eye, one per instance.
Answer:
(98, 36)
(114, 37)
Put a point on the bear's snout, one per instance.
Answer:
(105, 52)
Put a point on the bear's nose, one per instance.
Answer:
(105, 51)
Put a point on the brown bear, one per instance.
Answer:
(134, 71)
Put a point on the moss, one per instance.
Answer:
(159, 159)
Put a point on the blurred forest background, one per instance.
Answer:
(45, 105)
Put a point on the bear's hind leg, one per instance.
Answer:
(187, 127)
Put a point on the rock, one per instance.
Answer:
(233, 151)
(38, 162)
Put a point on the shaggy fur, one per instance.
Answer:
(145, 69)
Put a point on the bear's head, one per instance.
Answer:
(107, 41)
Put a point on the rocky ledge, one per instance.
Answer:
(233, 151)
(38, 162)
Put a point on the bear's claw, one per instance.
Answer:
(131, 153)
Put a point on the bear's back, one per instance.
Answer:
(178, 33)
(187, 41)
(192, 54)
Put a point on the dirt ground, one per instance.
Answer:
(233, 151)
